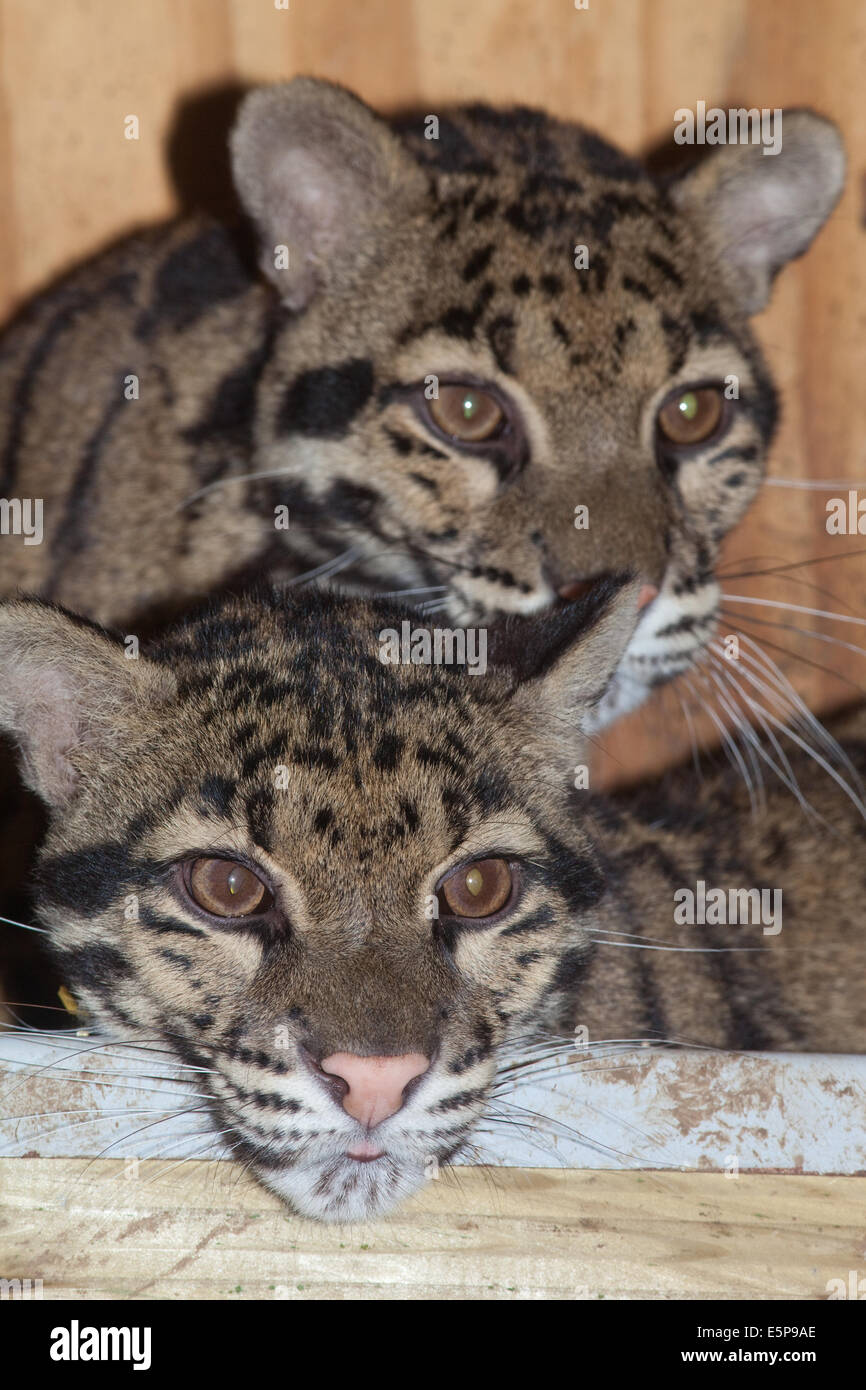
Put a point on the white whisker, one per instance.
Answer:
(787, 777)
(795, 608)
(405, 593)
(742, 726)
(328, 567)
(815, 484)
(821, 761)
(228, 481)
(681, 950)
(690, 725)
(755, 656)
(25, 925)
(730, 747)
(801, 632)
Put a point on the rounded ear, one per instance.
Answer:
(562, 662)
(322, 176)
(66, 686)
(562, 665)
(759, 206)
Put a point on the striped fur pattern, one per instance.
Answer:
(167, 401)
(270, 733)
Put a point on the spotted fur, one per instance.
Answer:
(409, 258)
(389, 776)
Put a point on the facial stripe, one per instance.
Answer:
(324, 401)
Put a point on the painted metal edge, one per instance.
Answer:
(63, 1095)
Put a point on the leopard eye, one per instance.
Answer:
(466, 413)
(690, 417)
(479, 889)
(225, 888)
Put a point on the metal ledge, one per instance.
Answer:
(62, 1095)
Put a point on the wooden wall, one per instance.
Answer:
(69, 182)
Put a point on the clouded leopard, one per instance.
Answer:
(493, 365)
(340, 889)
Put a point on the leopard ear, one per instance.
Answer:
(562, 662)
(322, 176)
(68, 691)
(756, 209)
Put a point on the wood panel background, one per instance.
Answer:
(70, 182)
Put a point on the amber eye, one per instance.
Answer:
(691, 416)
(466, 413)
(477, 890)
(227, 889)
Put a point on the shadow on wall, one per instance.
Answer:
(198, 159)
(197, 151)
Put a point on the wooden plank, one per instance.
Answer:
(207, 1231)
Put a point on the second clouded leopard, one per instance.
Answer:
(455, 343)
(342, 889)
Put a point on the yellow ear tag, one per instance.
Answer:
(68, 1001)
(72, 1006)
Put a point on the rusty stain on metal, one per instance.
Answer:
(615, 1107)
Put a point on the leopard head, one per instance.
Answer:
(336, 887)
(514, 362)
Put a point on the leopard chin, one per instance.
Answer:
(341, 1190)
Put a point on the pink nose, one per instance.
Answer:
(376, 1084)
